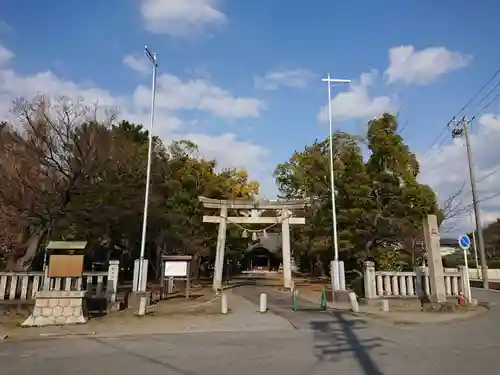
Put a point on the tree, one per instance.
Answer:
(306, 175)
(380, 204)
(492, 240)
(399, 202)
(70, 172)
(59, 144)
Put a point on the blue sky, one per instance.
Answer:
(243, 77)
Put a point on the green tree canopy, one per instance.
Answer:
(380, 204)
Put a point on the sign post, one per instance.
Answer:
(464, 243)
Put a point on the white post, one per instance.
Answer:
(263, 303)
(464, 276)
(143, 306)
(223, 303)
(219, 255)
(285, 251)
(112, 284)
(369, 280)
(142, 267)
(335, 269)
(340, 266)
(46, 279)
(354, 302)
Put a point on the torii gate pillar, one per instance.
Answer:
(285, 248)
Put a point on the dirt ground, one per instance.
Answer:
(402, 311)
(202, 300)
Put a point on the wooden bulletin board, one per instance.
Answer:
(63, 265)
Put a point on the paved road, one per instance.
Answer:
(322, 344)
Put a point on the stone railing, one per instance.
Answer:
(381, 284)
(475, 274)
(24, 285)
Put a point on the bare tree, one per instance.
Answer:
(43, 158)
(453, 205)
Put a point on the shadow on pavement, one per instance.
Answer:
(145, 358)
(333, 340)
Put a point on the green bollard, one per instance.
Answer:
(294, 301)
(323, 300)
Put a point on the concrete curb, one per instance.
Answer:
(386, 317)
(109, 335)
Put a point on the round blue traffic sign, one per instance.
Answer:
(464, 242)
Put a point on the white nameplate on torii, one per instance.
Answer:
(254, 220)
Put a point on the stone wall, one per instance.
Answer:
(58, 308)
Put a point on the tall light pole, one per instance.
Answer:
(337, 269)
(142, 269)
(462, 128)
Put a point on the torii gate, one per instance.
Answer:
(283, 216)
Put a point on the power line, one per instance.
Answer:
(495, 171)
(478, 92)
(487, 105)
(446, 127)
(467, 208)
(488, 94)
(461, 191)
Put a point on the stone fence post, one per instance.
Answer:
(369, 281)
(419, 282)
(46, 279)
(112, 285)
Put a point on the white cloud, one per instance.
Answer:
(229, 150)
(4, 26)
(5, 55)
(199, 94)
(295, 78)
(138, 64)
(408, 65)
(445, 170)
(181, 17)
(357, 102)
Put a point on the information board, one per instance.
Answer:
(176, 268)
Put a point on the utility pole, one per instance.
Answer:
(337, 268)
(462, 127)
(474, 241)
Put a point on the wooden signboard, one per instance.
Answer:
(66, 258)
(63, 265)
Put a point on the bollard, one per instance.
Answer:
(143, 304)
(323, 303)
(294, 300)
(263, 303)
(223, 303)
(354, 302)
(385, 305)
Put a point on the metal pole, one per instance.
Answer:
(475, 202)
(152, 57)
(475, 245)
(466, 263)
(336, 279)
(332, 177)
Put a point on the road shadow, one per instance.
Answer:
(337, 339)
(144, 358)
